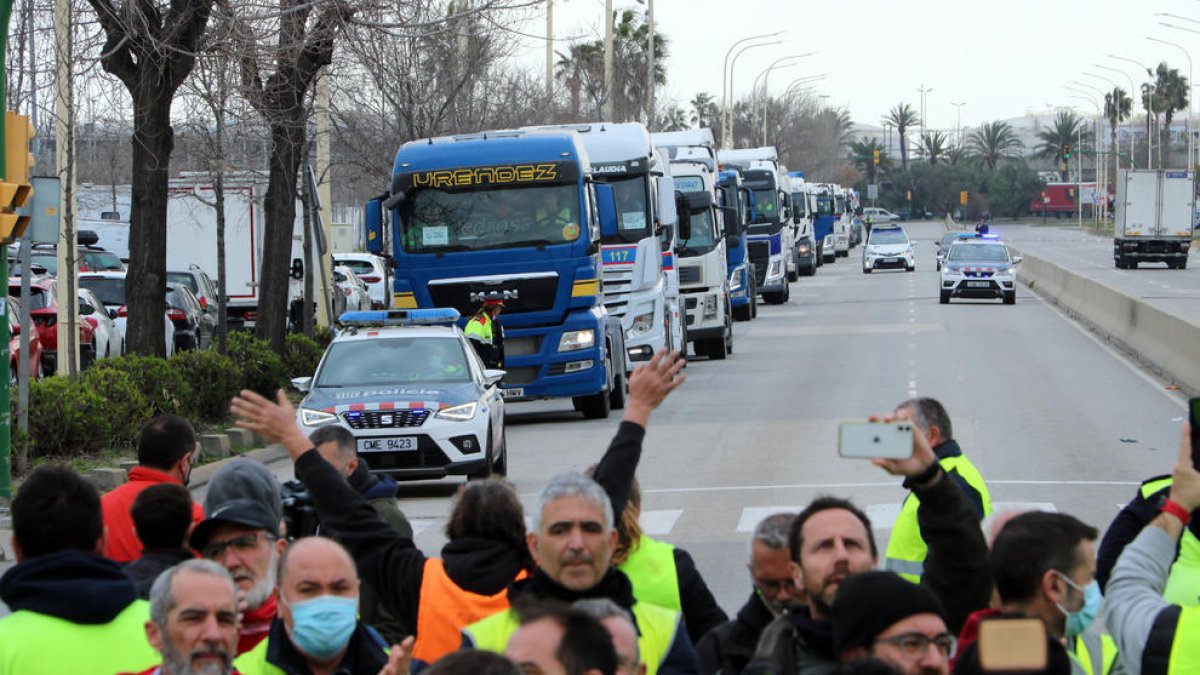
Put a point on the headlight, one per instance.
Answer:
(735, 279)
(577, 339)
(642, 324)
(803, 249)
(316, 418)
(458, 413)
(710, 306)
(774, 271)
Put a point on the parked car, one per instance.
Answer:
(353, 288)
(43, 311)
(878, 215)
(198, 282)
(108, 340)
(91, 258)
(110, 288)
(14, 346)
(375, 271)
(194, 325)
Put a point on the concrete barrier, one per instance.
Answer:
(1168, 344)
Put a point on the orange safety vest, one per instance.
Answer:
(446, 609)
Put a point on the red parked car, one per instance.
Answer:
(43, 310)
(14, 346)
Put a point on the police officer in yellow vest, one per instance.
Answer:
(572, 539)
(485, 333)
(906, 549)
(1155, 636)
(317, 627)
(73, 611)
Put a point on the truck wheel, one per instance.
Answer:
(787, 293)
(1182, 264)
(596, 406)
(616, 400)
(794, 276)
(728, 337)
(944, 298)
(742, 313)
(775, 298)
(753, 299)
(716, 349)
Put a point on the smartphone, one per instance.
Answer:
(1012, 645)
(875, 440)
(1194, 418)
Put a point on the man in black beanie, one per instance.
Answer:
(879, 614)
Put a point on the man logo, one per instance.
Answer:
(480, 296)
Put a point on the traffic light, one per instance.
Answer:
(1066, 153)
(15, 190)
(876, 157)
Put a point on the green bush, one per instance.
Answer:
(301, 354)
(214, 380)
(263, 370)
(66, 419)
(323, 335)
(164, 388)
(125, 406)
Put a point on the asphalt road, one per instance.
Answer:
(1051, 417)
(1174, 291)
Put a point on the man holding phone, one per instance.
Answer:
(831, 540)
(1154, 636)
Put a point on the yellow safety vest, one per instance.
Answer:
(1092, 647)
(1183, 583)
(651, 569)
(906, 548)
(656, 628)
(1185, 647)
(480, 328)
(40, 644)
(254, 662)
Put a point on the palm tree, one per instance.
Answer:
(933, 145)
(902, 117)
(862, 155)
(582, 68)
(1066, 130)
(704, 109)
(1170, 95)
(675, 119)
(993, 141)
(1118, 107)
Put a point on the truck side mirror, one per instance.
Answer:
(732, 227)
(373, 225)
(667, 213)
(606, 210)
(683, 215)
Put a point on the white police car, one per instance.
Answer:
(979, 267)
(888, 246)
(413, 392)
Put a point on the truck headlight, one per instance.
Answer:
(710, 306)
(459, 413)
(803, 249)
(577, 339)
(316, 418)
(735, 279)
(774, 271)
(642, 324)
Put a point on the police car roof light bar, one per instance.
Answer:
(440, 316)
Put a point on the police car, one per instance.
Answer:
(979, 267)
(413, 392)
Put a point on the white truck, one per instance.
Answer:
(1153, 217)
(700, 249)
(191, 234)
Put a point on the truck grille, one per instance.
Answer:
(760, 255)
(532, 295)
(520, 375)
(522, 346)
(385, 419)
(689, 274)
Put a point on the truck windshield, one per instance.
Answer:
(633, 214)
(825, 205)
(704, 235)
(437, 221)
(799, 206)
(766, 205)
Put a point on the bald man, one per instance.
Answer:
(316, 629)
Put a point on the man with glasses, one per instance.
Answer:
(242, 533)
(883, 616)
(728, 647)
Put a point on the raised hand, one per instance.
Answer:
(651, 383)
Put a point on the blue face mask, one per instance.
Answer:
(322, 627)
(1079, 620)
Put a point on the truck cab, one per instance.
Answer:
(743, 294)
(515, 215)
(808, 258)
(770, 234)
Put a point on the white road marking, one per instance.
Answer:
(657, 523)
(420, 524)
(753, 515)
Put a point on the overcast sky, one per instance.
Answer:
(1002, 59)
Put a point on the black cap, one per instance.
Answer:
(243, 492)
(868, 603)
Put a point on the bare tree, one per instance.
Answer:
(150, 47)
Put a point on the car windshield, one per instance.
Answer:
(394, 360)
(110, 291)
(475, 220)
(357, 266)
(183, 278)
(888, 236)
(101, 261)
(978, 253)
(39, 298)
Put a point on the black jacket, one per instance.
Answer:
(74, 586)
(726, 649)
(394, 567)
(365, 654)
(1135, 516)
(956, 571)
(699, 608)
(154, 562)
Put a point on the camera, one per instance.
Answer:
(299, 513)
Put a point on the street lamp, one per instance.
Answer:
(1149, 106)
(958, 121)
(803, 80)
(727, 80)
(923, 91)
(766, 75)
(1191, 165)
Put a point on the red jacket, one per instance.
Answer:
(123, 544)
(970, 630)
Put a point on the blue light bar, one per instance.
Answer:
(440, 316)
(987, 236)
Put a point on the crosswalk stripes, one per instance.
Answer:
(658, 523)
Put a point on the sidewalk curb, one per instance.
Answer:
(269, 455)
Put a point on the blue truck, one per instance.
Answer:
(743, 292)
(771, 235)
(514, 215)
